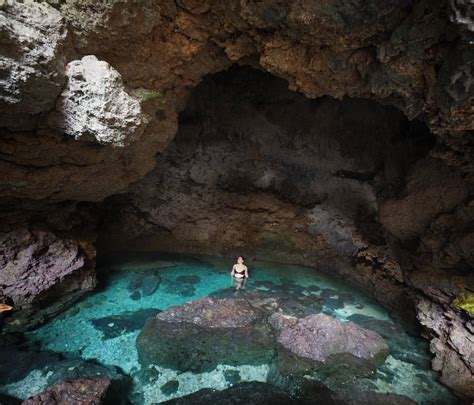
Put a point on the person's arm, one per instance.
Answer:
(246, 272)
(232, 272)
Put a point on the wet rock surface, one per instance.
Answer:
(199, 335)
(320, 341)
(83, 391)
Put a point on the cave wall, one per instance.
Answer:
(47, 258)
(90, 93)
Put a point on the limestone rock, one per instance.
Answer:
(452, 344)
(94, 105)
(32, 59)
(320, 341)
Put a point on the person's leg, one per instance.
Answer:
(239, 284)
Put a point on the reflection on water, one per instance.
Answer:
(97, 335)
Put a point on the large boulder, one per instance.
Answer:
(201, 334)
(324, 344)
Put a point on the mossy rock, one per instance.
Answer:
(465, 301)
(149, 94)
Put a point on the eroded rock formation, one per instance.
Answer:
(66, 138)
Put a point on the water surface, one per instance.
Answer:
(102, 329)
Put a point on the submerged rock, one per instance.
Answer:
(402, 346)
(199, 335)
(68, 370)
(247, 393)
(83, 391)
(115, 325)
(320, 342)
(144, 283)
(310, 392)
(170, 387)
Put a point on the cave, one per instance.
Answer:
(243, 202)
(257, 168)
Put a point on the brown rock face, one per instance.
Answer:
(386, 51)
(432, 188)
(83, 391)
(91, 92)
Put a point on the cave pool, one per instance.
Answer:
(102, 328)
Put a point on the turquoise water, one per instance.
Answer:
(97, 335)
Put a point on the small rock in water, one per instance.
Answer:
(232, 377)
(170, 387)
(115, 325)
(188, 279)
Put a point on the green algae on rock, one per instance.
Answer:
(465, 301)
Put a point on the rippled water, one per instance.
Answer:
(101, 330)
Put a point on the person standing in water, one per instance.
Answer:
(239, 273)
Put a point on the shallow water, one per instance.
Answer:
(102, 328)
